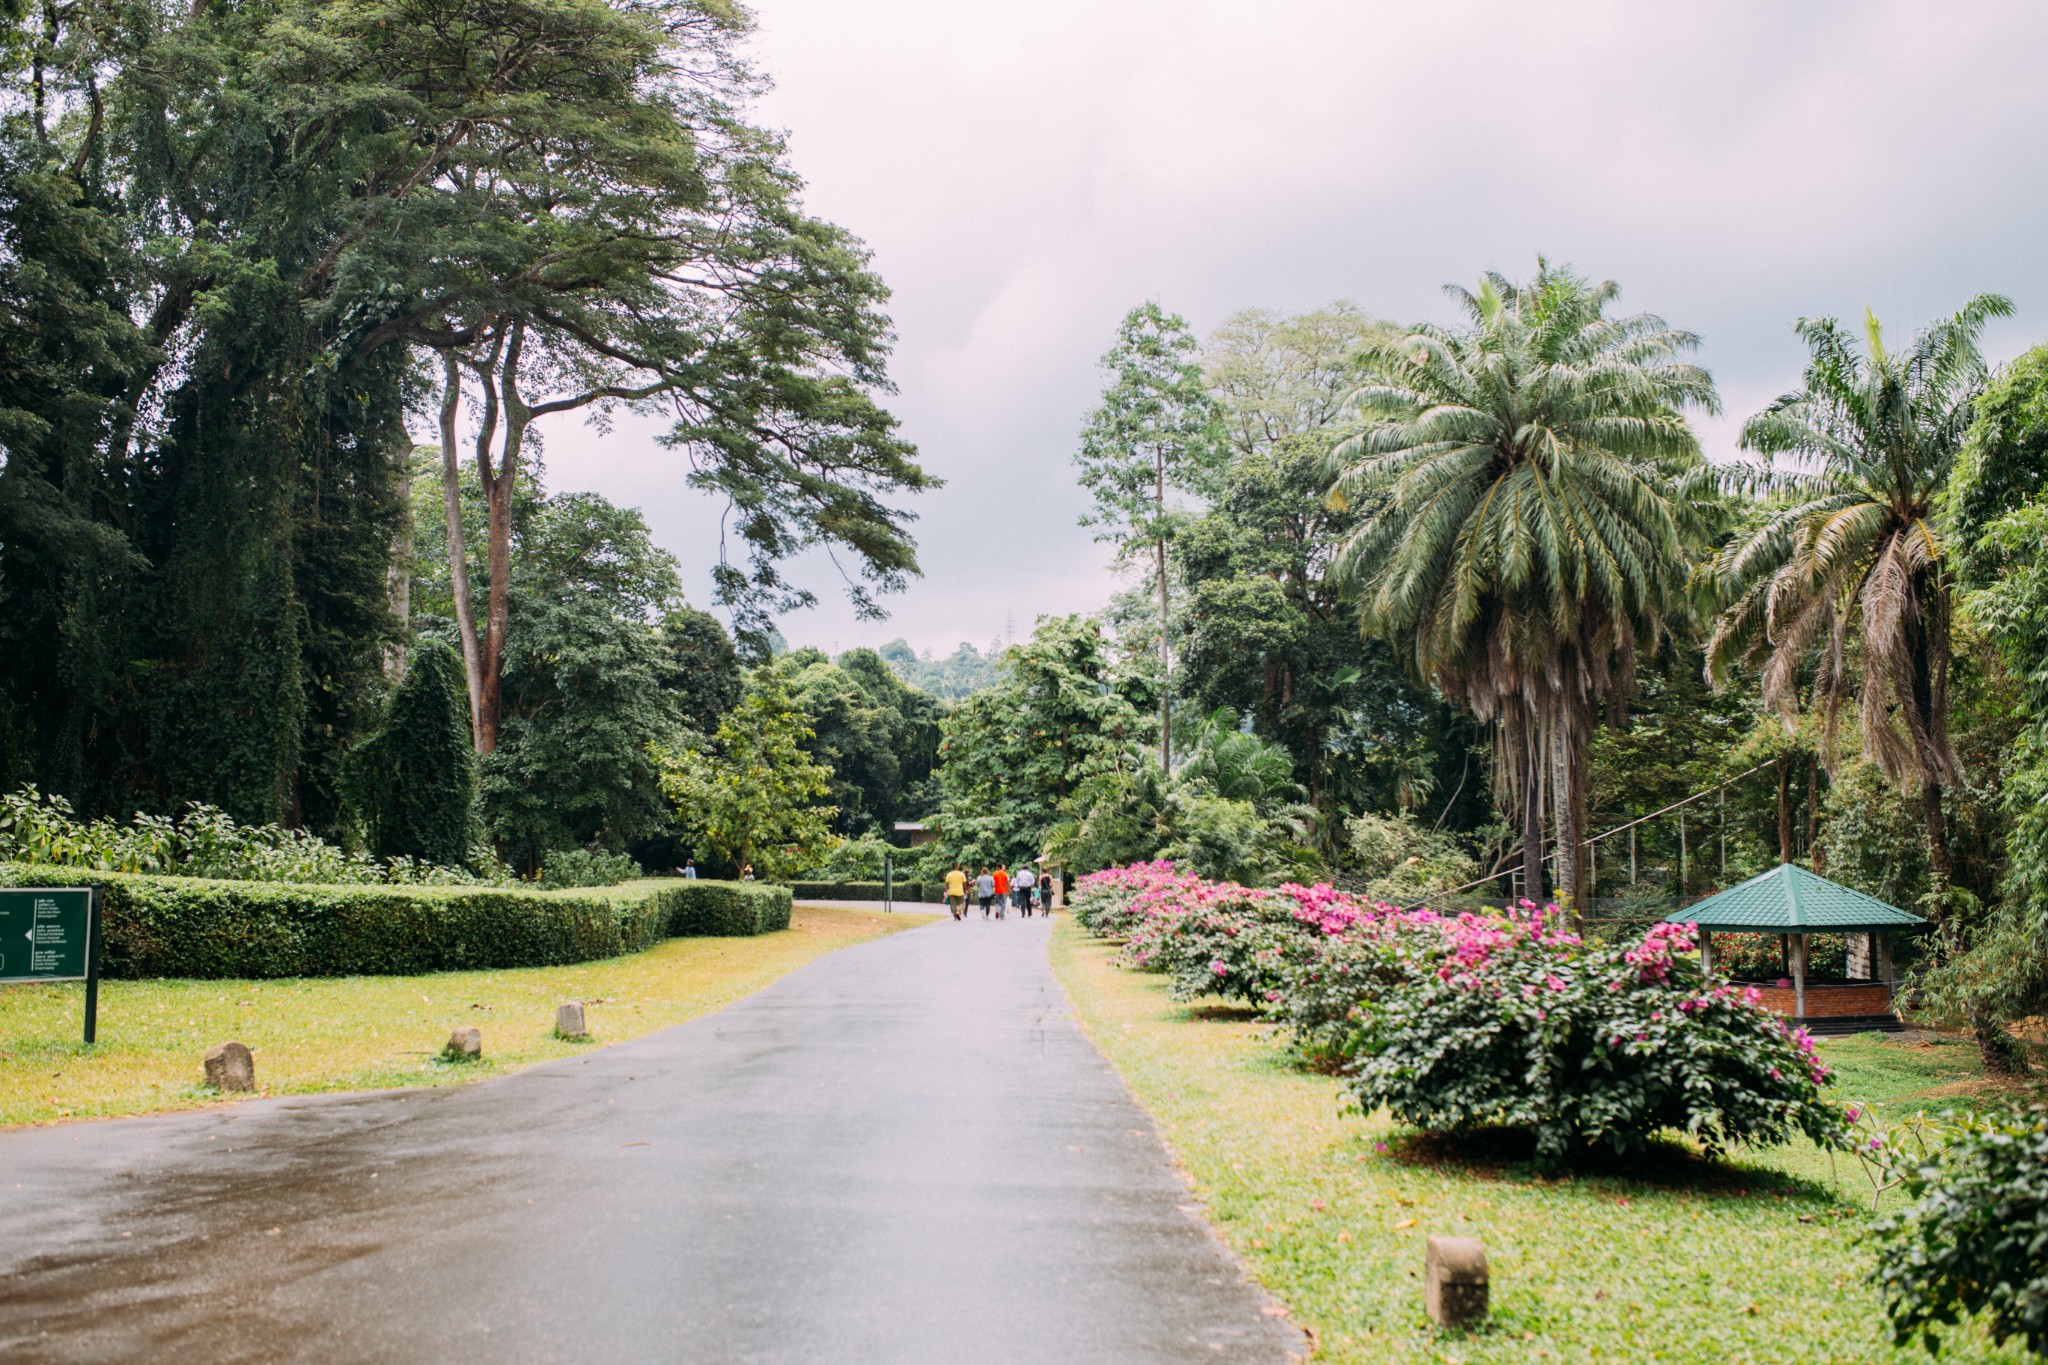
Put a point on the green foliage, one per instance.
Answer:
(1975, 1239)
(417, 775)
(906, 891)
(229, 232)
(1154, 430)
(751, 794)
(878, 737)
(565, 868)
(855, 860)
(204, 842)
(964, 671)
(1015, 754)
(1232, 763)
(703, 674)
(1404, 863)
(2002, 523)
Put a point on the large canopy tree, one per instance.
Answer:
(1521, 535)
(1852, 570)
(632, 241)
(240, 229)
(1154, 431)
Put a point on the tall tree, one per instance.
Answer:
(649, 252)
(750, 794)
(1154, 430)
(1852, 568)
(1261, 628)
(1522, 537)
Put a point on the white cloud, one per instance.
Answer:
(1025, 174)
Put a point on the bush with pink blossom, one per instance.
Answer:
(1482, 1020)
(1516, 1022)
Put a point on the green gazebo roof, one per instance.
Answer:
(1791, 900)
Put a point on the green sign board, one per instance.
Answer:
(46, 934)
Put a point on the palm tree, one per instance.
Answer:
(1851, 563)
(1524, 537)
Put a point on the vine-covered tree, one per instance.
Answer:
(418, 773)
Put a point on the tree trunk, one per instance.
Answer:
(1571, 827)
(1937, 831)
(1165, 645)
(458, 550)
(2002, 1056)
(498, 491)
(1814, 856)
(1784, 811)
(398, 573)
(1532, 825)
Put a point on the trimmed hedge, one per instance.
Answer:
(909, 891)
(155, 926)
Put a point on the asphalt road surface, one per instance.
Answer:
(904, 1151)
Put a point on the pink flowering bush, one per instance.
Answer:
(1515, 1022)
(1481, 1020)
(1116, 901)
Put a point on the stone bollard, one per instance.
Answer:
(569, 1020)
(1454, 1281)
(464, 1045)
(230, 1067)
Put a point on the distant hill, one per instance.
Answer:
(965, 670)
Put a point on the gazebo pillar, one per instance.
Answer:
(1881, 956)
(1799, 942)
(1706, 950)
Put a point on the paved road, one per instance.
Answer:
(902, 1152)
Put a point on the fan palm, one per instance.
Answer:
(1524, 526)
(1851, 565)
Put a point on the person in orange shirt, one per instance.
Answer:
(1002, 890)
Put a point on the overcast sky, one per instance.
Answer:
(1025, 174)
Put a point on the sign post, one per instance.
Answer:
(889, 883)
(52, 933)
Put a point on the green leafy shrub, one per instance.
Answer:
(417, 775)
(859, 860)
(581, 867)
(203, 842)
(1975, 1238)
(729, 909)
(155, 926)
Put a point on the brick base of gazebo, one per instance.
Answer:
(1834, 1007)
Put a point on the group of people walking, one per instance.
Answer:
(998, 890)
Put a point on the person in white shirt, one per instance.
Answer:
(1021, 884)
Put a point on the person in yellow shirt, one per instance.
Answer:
(956, 892)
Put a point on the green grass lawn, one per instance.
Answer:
(1753, 1261)
(354, 1033)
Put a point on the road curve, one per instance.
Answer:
(903, 1151)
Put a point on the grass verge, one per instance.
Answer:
(1753, 1261)
(366, 1032)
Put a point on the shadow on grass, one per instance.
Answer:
(1217, 1012)
(1665, 1164)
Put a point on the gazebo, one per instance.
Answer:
(1794, 903)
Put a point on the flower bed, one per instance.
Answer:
(1470, 1021)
